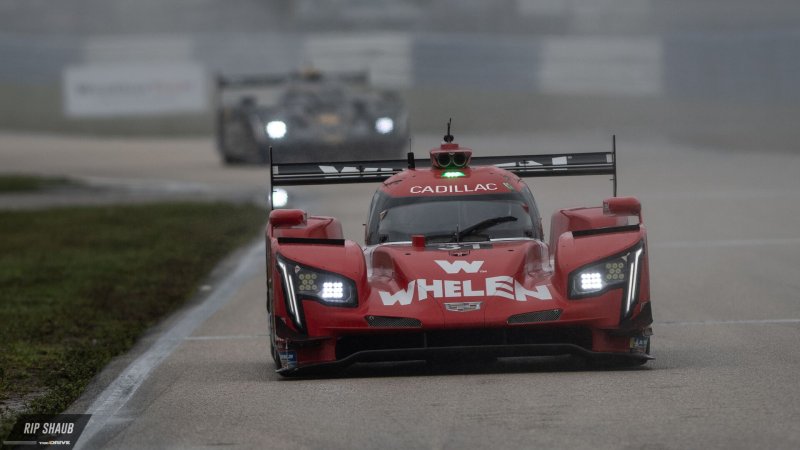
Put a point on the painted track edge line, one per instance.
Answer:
(723, 243)
(227, 337)
(731, 322)
(119, 391)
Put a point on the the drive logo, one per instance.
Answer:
(499, 286)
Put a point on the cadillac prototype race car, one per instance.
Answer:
(456, 261)
(307, 116)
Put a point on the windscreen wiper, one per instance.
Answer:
(474, 229)
(484, 224)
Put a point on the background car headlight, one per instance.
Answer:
(276, 129)
(279, 198)
(315, 284)
(384, 125)
(617, 271)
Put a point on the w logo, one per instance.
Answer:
(460, 266)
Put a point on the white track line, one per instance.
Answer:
(727, 243)
(117, 394)
(739, 194)
(732, 322)
(226, 337)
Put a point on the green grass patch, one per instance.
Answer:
(27, 183)
(79, 285)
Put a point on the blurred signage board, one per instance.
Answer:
(128, 89)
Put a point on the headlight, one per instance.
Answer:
(614, 272)
(307, 283)
(384, 125)
(279, 198)
(276, 129)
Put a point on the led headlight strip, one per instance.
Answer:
(633, 279)
(289, 292)
(617, 271)
(302, 282)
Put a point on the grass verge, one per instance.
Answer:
(79, 285)
(27, 183)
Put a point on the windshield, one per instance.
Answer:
(452, 219)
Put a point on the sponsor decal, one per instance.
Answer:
(355, 170)
(528, 163)
(463, 306)
(454, 188)
(462, 246)
(638, 344)
(460, 266)
(500, 286)
(46, 431)
(288, 359)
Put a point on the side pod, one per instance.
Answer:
(615, 212)
(582, 236)
(293, 223)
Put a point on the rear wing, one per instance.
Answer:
(240, 87)
(561, 164)
(243, 86)
(548, 165)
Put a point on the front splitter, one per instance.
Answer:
(496, 351)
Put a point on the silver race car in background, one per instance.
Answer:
(308, 116)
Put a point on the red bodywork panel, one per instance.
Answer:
(436, 287)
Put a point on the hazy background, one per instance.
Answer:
(716, 72)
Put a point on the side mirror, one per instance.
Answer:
(622, 206)
(287, 217)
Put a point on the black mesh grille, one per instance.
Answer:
(383, 321)
(536, 316)
(347, 345)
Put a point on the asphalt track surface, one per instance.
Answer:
(724, 235)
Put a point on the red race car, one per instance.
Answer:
(456, 261)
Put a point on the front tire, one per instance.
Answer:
(272, 349)
(612, 362)
(239, 137)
